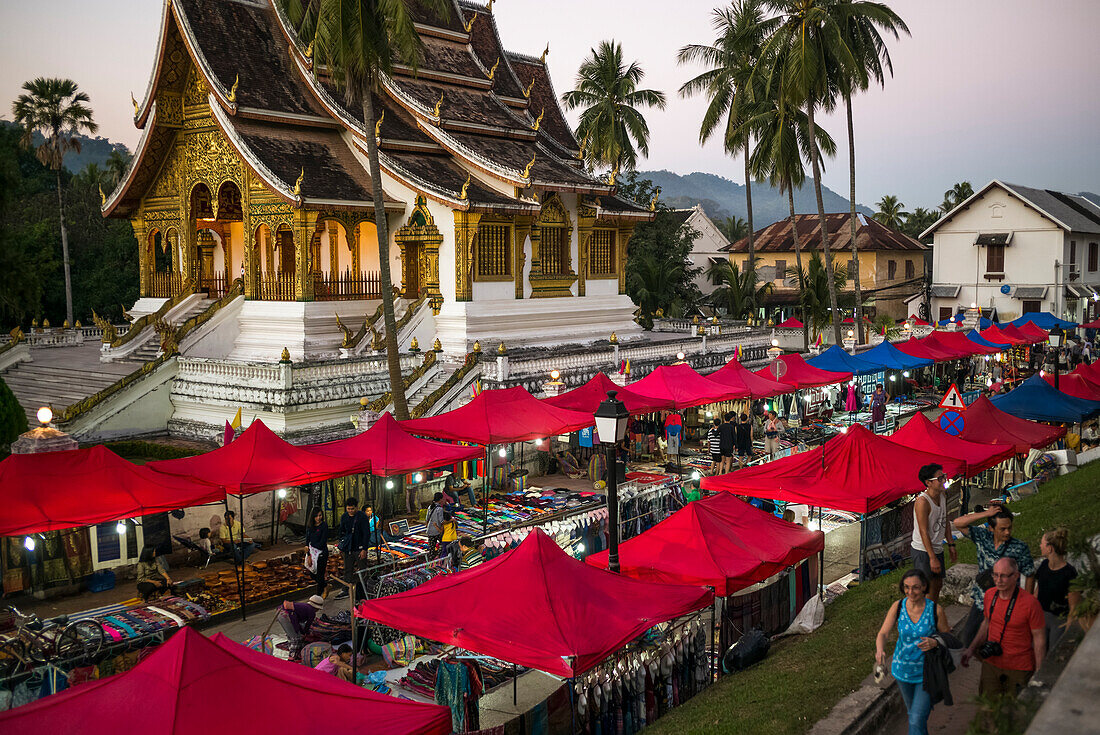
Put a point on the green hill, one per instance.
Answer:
(92, 150)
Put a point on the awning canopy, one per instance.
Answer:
(964, 346)
(81, 487)
(976, 337)
(984, 422)
(536, 606)
(996, 335)
(393, 451)
(683, 386)
(1075, 384)
(1024, 336)
(1034, 400)
(258, 461)
(926, 351)
(856, 471)
(1043, 320)
(1091, 373)
(790, 323)
(1094, 324)
(886, 355)
(720, 541)
(837, 360)
(588, 397)
(920, 433)
(193, 684)
(740, 378)
(1034, 332)
(795, 371)
(917, 321)
(501, 416)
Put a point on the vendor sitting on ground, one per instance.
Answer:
(339, 663)
(151, 579)
(233, 538)
(296, 618)
(456, 485)
(471, 554)
(570, 467)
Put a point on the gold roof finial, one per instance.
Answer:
(477, 346)
(501, 349)
(653, 201)
(137, 107)
(232, 96)
(468, 25)
(464, 194)
(544, 53)
(489, 7)
(538, 120)
(613, 339)
(285, 357)
(530, 164)
(527, 92)
(414, 346)
(378, 125)
(309, 50)
(612, 175)
(493, 71)
(297, 191)
(438, 105)
(584, 144)
(437, 346)
(102, 196)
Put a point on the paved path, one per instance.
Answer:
(944, 720)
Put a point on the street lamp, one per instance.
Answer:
(1055, 339)
(611, 422)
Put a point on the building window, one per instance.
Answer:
(601, 253)
(910, 269)
(891, 270)
(493, 251)
(554, 251)
(994, 258)
(1072, 252)
(946, 312)
(1092, 257)
(1032, 306)
(781, 271)
(744, 266)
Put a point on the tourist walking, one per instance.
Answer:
(917, 619)
(296, 619)
(744, 439)
(435, 522)
(354, 540)
(727, 436)
(773, 426)
(714, 445)
(1052, 580)
(930, 526)
(317, 547)
(992, 542)
(1012, 638)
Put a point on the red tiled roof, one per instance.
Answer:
(778, 237)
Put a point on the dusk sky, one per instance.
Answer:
(983, 89)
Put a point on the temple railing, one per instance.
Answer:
(165, 284)
(278, 286)
(347, 286)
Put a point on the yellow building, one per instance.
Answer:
(891, 264)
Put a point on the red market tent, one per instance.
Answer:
(684, 387)
(791, 323)
(1031, 332)
(740, 378)
(920, 433)
(587, 398)
(917, 321)
(856, 471)
(850, 320)
(937, 341)
(1000, 336)
(962, 344)
(1095, 324)
(393, 451)
(81, 487)
(984, 422)
(258, 461)
(1075, 384)
(193, 684)
(500, 416)
(536, 606)
(795, 371)
(1091, 373)
(721, 541)
(922, 349)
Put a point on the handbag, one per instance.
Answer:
(311, 560)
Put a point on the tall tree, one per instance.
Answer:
(808, 57)
(742, 29)
(734, 228)
(919, 220)
(862, 24)
(57, 110)
(117, 164)
(817, 287)
(738, 292)
(611, 121)
(956, 195)
(890, 212)
(359, 41)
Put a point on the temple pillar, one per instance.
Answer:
(333, 248)
(466, 224)
(145, 271)
(304, 230)
(521, 230)
(622, 237)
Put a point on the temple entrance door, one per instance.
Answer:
(411, 267)
(286, 252)
(204, 257)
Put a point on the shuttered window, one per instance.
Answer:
(910, 269)
(493, 251)
(601, 253)
(994, 258)
(554, 251)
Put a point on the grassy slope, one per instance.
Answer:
(805, 676)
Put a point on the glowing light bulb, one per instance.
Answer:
(555, 374)
(281, 493)
(695, 475)
(843, 429)
(538, 442)
(580, 547)
(389, 484)
(120, 528)
(893, 378)
(28, 543)
(905, 374)
(680, 356)
(503, 453)
(45, 415)
(775, 343)
(418, 477)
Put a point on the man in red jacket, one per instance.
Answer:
(1012, 640)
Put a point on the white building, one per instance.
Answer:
(1017, 249)
(707, 247)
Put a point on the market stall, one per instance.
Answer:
(684, 387)
(740, 378)
(837, 360)
(887, 356)
(984, 422)
(919, 433)
(923, 350)
(391, 450)
(194, 684)
(1035, 400)
(996, 335)
(500, 416)
(976, 337)
(795, 371)
(1043, 320)
(587, 398)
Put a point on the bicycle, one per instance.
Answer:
(42, 641)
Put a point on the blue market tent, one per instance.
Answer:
(1036, 400)
(973, 336)
(1043, 320)
(837, 360)
(886, 356)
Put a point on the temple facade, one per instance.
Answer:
(250, 186)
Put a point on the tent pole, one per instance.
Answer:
(237, 573)
(821, 566)
(273, 518)
(515, 686)
(240, 511)
(488, 484)
(862, 543)
(713, 625)
(381, 494)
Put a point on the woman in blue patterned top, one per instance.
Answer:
(916, 619)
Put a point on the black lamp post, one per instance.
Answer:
(611, 423)
(1055, 339)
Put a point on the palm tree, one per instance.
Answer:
(890, 212)
(607, 89)
(57, 110)
(742, 29)
(919, 220)
(860, 24)
(956, 195)
(808, 58)
(118, 162)
(652, 283)
(817, 292)
(739, 293)
(734, 228)
(359, 41)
